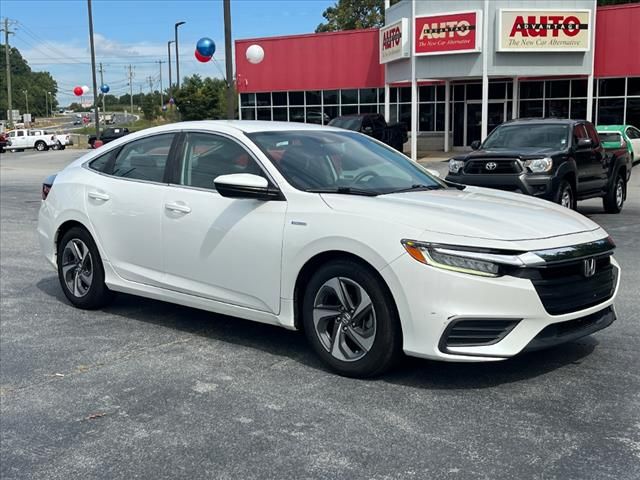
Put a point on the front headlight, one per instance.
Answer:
(539, 165)
(447, 258)
(455, 165)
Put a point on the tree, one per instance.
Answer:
(200, 99)
(352, 15)
(36, 84)
(150, 107)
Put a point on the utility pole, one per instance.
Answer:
(150, 79)
(46, 105)
(228, 60)
(160, 62)
(177, 55)
(7, 32)
(131, 87)
(169, 55)
(104, 110)
(93, 71)
(26, 100)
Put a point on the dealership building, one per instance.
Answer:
(452, 70)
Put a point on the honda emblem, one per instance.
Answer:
(589, 267)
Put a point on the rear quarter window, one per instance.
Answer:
(101, 163)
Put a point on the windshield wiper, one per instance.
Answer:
(414, 188)
(344, 191)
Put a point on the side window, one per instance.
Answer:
(378, 122)
(101, 163)
(144, 159)
(366, 123)
(207, 156)
(593, 135)
(20, 133)
(579, 133)
(12, 134)
(633, 133)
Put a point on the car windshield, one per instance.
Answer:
(348, 123)
(614, 137)
(524, 135)
(341, 162)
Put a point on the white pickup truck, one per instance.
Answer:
(62, 140)
(25, 138)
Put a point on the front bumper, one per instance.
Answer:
(538, 185)
(434, 299)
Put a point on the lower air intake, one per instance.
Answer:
(477, 332)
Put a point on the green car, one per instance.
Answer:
(612, 136)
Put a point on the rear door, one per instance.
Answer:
(125, 207)
(224, 249)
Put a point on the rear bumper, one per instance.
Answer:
(542, 186)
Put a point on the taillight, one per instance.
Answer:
(45, 191)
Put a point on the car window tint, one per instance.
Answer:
(579, 133)
(593, 135)
(144, 159)
(378, 122)
(20, 134)
(633, 133)
(207, 156)
(100, 164)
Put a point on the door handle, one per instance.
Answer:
(177, 207)
(98, 196)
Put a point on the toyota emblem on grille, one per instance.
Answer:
(589, 267)
(491, 165)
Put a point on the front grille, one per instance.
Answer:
(476, 332)
(479, 167)
(564, 288)
(572, 327)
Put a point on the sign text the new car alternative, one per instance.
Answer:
(394, 41)
(544, 30)
(448, 33)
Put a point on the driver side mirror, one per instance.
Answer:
(475, 145)
(584, 143)
(246, 185)
(367, 130)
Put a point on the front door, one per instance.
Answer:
(224, 249)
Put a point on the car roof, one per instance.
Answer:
(245, 126)
(548, 120)
(611, 128)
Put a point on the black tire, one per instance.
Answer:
(57, 146)
(90, 295)
(614, 199)
(40, 146)
(377, 326)
(565, 195)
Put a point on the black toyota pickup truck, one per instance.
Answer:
(558, 160)
(108, 135)
(374, 125)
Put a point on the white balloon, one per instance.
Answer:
(255, 54)
(85, 89)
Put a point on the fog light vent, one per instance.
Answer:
(477, 332)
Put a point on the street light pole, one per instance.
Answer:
(177, 55)
(46, 105)
(169, 55)
(93, 70)
(50, 104)
(227, 59)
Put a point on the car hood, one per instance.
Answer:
(522, 153)
(473, 212)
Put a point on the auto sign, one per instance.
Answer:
(448, 33)
(394, 41)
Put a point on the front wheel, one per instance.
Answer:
(614, 199)
(565, 195)
(41, 146)
(350, 320)
(80, 270)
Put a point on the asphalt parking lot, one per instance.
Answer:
(145, 389)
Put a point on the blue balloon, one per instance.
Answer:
(206, 47)
(104, 88)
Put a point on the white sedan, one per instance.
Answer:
(330, 232)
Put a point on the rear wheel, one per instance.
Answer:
(565, 195)
(350, 320)
(614, 199)
(80, 270)
(57, 146)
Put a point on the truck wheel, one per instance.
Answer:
(41, 146)
(57, 146)
(565, 195)
(614, 199)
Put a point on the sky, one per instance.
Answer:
(53, 35)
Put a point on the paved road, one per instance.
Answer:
(144, 389)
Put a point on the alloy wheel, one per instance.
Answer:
(566, 200)
(619, 192)
(344, 319)
(77, 267)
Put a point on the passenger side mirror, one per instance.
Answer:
(367, 130)
(475, 145)
(584, 143)
(246, 185)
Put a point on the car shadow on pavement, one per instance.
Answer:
(413, 372)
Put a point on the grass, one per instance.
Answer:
(140, 124)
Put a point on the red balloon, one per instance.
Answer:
(202, 58)
(78, 91)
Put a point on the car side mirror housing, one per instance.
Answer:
(584, 143)
(367, 130)
(246, 185)
(475, 145)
